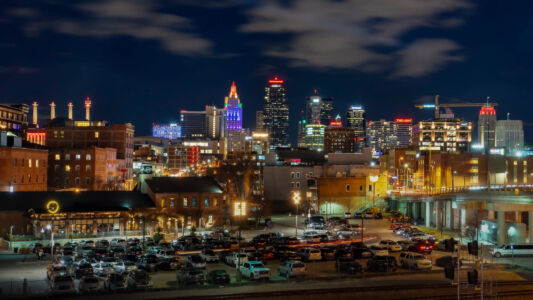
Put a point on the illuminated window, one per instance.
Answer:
(96, 134)
(171, 202)
(29, 178)
(515, 163)
(67, 156)
(67, 168)
(62, 134)
(193, 202)
(58, 157)
(88, 157)
(36, 163)
(206, 202)
(210, 219)
(55, 134)
(88, 168)
(215, 202)
(78, 156)
(185, 204)
(163, 202)
(29, 163)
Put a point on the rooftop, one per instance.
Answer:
(184, 185)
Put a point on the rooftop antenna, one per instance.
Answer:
(508, 116)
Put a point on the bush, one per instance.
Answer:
(158, 236)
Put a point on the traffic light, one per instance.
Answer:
(449, 271)
(450, 244)
(473, 248)
(472, 277)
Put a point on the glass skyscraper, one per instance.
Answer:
(276, 113)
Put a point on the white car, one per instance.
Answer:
(89, 284)
(379, 250)
(255, 270)
(391, 245)
(233, 260)
(209, 256)
(292, 268)
(412, 260)
(103, 268)
(62, 285)
(166, 254)
(310, 254)
(196, 261)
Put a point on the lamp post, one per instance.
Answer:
(239, 210)
(296, 197)
(49, 227)
(405, 166)
(373, 179)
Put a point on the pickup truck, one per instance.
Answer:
(233, 259)
(255, 270)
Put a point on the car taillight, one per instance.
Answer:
(421, 247)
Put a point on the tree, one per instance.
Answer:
(158, 236)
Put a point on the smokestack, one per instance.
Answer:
(35, 113)
(88, 109)
(70, 111)
(52, 110)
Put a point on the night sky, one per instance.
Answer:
(143, 61)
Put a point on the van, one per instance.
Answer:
(507, 250)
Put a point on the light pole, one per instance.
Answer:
(373, 179)
(239, 210)
(296, 197)
(405, 166)
(49, 227)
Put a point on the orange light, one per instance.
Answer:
(275, 80)
(404, 120)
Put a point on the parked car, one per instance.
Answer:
(360, 250)
(89, 284)
(218, 277)
(235, 258)
(254, 270)
(412, 260)
(422, 247)
(310, 254)
(347, 215)
(166, 253)
(115, 282)
(82, 269)
(382, 264)
(292, 268)
(195, 261)
(138, 279)
(190, 276)
(103, 269)
(328, 253)
(391, 245)
(148, 263)
(61, 285)
(56, 270)
(379, 250)
(378, 215)
(209, 256)
(67, 251)
(369, 215)
(348, 265)
(357, 215)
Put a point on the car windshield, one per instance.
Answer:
(257, 265)
(91, 280)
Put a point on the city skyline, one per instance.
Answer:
(123, 71)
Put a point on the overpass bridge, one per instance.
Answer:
(503, 207)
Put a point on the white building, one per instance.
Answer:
(510, 134)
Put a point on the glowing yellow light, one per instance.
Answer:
(52, 206)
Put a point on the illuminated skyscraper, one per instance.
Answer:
(314, 136)
(276, 113)
(318, 109)
(233, 110)
(170, 132)
(486, 127)
(356, 120)
(403, 127)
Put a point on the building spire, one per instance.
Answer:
(233, 91)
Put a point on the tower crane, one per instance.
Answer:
(438, 105)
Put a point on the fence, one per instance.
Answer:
(23, 288)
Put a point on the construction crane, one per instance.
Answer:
(437, 106)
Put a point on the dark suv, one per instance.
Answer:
(382, 264)
(190, 276)
(347, 265)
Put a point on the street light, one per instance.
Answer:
(373, 179)
(296, 197)
(406, 165)
(239, 210)
(50, 228)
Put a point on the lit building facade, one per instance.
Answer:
(169, 132)
(446, 135)
(356, 120)
(14, 118)
(36, 136)
(193, 124)
(339, 139)
(314, 136)
(259, 124)
(233, 109)
(486, 127)
(510, 135)
(381, 135)
(276, 113)
(403, 131)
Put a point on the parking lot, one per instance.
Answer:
(16, 268)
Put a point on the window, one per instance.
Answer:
(36, 163)
(292, 175)
(87, 180)
(29, 178)
(67, 181)
(67, 156)
(22, 179)
(292, 184)
(57, 157)
(360, 187)
(215, 202)
(37, 178)
(347, 188)
(29, 163)
(67, 168)
(77, 168)
(96, 134)
(15, 162)
(77, 180)
(185, 204)
(206, 202)
(56, 168)
(297, 184)
(88, 157)
(193, 202)
(297, 174)
(88, 168)
(370, 188)
(210, 219)
(163, 202)
(15, 179)
(171, 202)
(78, 157)
(62, 134)
(55, 134)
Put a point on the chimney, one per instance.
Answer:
(35, 113)
(70, 111)
(88, 109)
(52, 110)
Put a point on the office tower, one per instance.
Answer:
(326, 112)
(356, 120)
(276, 113)
(233, 109)
(314, 136)
(318, 110)
(448, 135)
(403, 131)
(259, 125)
(302, 122)
(216, 126)
(510, 134)
(14, 118)
(381, 135)
(193, 124)
(170, 131)
(338, 139)
(486, 127)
